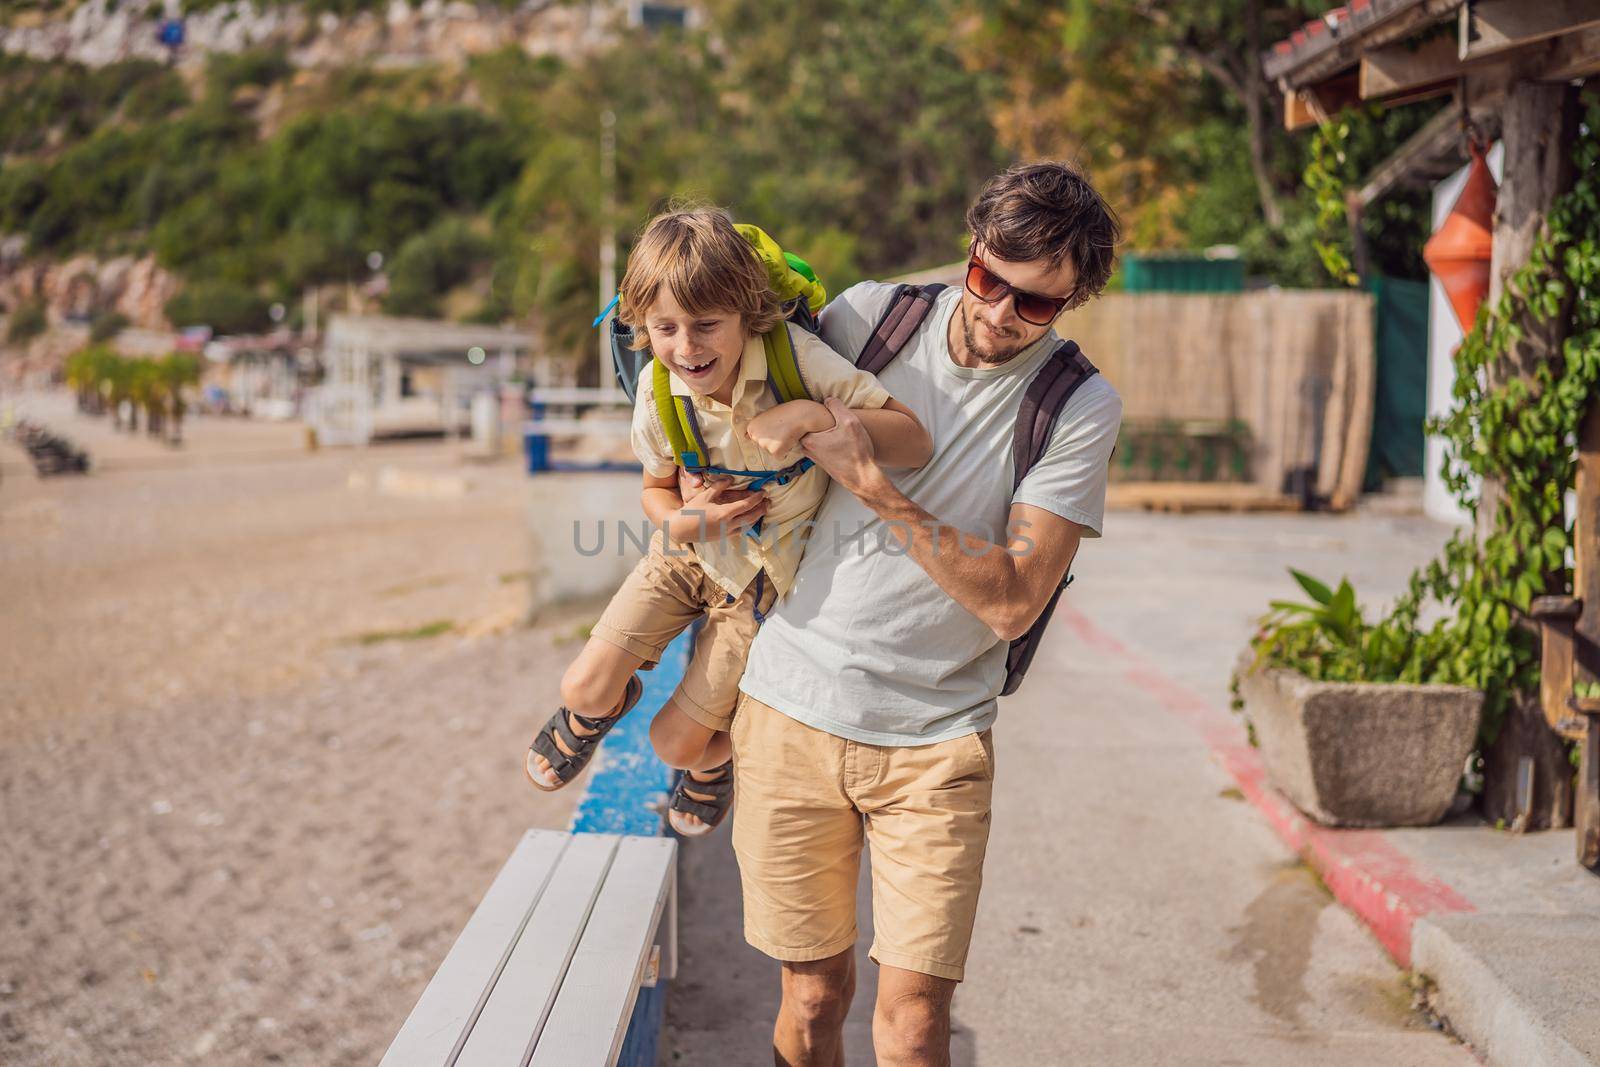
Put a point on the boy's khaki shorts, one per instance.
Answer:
(665, 593)
(804, 800)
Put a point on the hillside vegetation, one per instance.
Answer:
(856, 131)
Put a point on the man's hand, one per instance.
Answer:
(845, 451)
(778, 429)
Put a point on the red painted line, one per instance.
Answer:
(1387, 889)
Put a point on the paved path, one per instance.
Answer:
(1135, 910)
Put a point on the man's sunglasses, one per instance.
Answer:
(1031, 307)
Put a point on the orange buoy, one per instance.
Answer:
(1458, 252)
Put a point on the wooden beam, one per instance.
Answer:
(1586, 547)
(1438, 136)
(1297, 114)
(1386, 71)
(1586, 636)
(1556, 660)
(1574, 56)
(1488, 27)
(1309, 106)
(1400, 74)
(1384, 22)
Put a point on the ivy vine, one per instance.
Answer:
(1519, 432)
(1324, 176)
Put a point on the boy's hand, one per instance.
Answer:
(715, 511)
(778, 430)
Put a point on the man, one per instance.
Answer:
(867, 702)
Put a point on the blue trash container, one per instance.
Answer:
(536, 445)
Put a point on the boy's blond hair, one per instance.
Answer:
(707, 267)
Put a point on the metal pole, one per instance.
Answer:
(608, 243)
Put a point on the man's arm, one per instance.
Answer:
(1006, 586)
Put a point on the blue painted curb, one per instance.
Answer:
(627, 794)
(628, 790)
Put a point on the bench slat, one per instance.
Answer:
(451, 1000)
(522, 998)
(590, 1017)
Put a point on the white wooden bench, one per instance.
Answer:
(548, 969)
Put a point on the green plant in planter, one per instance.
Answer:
(1330, 640)
(1328, 632)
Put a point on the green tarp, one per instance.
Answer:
(1401, 405)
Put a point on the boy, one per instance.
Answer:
(699, 297)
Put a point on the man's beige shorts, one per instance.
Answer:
(804, 801)
(665, 593)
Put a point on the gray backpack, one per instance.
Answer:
(1052, 386)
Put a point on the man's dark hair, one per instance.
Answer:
(1048, 211)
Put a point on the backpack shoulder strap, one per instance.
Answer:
(783, 365)
(1053, 385)
(908, 306)
(678, 422)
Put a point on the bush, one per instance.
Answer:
(107, 325)
(156, 98)
(38, 98)
(28, 321)
(260, 67)
(23, 188)
(89, 192)
(226, 307)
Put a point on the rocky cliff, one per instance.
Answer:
(98, 32)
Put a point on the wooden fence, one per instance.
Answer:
(1295, 368)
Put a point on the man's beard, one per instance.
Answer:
(990, 355)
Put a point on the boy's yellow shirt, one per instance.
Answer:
(734, 561)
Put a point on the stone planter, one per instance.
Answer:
(1362, 754)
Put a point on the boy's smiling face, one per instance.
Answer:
(704, 350)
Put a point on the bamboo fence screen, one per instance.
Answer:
(1295, 367)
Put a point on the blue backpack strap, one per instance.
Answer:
(698, 456)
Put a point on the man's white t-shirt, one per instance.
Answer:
(866, 646)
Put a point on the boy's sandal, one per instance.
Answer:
(709, 812)
(567, 767)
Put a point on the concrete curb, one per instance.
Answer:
(1413, 914)
(1509, 1001)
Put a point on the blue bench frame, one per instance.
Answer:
(627, 794)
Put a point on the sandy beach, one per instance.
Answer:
(262, 713)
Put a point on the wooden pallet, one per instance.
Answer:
(1188, 497)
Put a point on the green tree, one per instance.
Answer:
(851, 130)
(176, 372)
(1166, 105)
(432, 263)
(225, 306)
